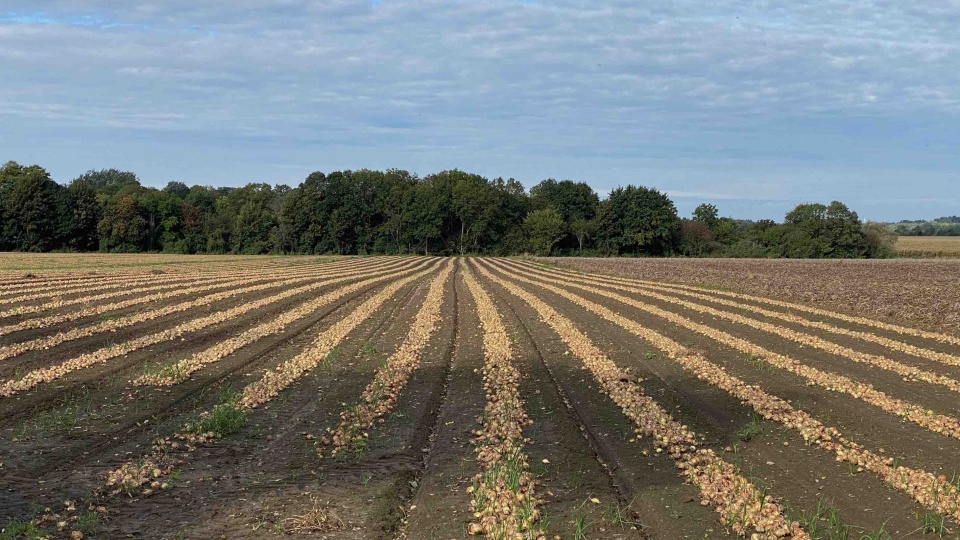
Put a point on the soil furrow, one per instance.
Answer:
(741, 505)
(938, 494)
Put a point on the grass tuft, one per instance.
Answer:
(88, 522)
(17, 529)
(226, 418)
(751, 430)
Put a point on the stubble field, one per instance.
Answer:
(434, 398)
(929, 246)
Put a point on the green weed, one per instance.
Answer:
(934, 523)
(87, 522)
(751, 430)
(226, 418)
(18, 530)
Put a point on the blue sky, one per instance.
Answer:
(755, 106)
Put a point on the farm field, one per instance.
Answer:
(922, 293)
(19, 265)
(437, 398)
(929, 246)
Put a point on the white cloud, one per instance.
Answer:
(494, 80)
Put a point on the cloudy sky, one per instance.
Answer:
(755, 106)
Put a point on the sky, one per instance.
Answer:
(753, 106)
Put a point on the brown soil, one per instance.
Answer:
(922, 293)
(59, 440)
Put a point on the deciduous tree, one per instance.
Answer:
(544, 229)
(638, 220)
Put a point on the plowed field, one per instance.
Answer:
(432, 398)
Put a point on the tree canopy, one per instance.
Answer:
(639, 221)
(394, 211)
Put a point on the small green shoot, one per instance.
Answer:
(933, 523)
(750, 430)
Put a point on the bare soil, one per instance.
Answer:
(595, 476)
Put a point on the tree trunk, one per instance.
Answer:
(153, 230)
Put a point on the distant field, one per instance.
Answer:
(928, 246)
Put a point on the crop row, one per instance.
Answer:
(741, 506)
(899, 346)
(73, 282)
(198, 286)
(935, 492)
(145, 474)
(98, 309)
(9, 351)
(504, 498)
(48, 374)
(180, 371)
(17, 285)
(863, 321)
(937, 423)
(134, 287)
(66, 263)
(28, 295)
(287, 373)
(905, 371)
(13, 285)
(114, 286)
(381, 395)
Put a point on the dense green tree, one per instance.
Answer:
(544, 227)
(301, 225)
(573, 200)
(391, 221)
(123, 228)
(177, 189)
(844, 232)
(162, 211)
(109, 182)
(217, 229)
(638, 220)
(507, 207)
(708, 215)
(459, 215)
(425, 214)
(471, 197)
(87, 213)
(342, 204)
(727, 230)
(37, 213)
(193, 228)
(6, 223)
(820, 231)
(247, 220)
(203, 198)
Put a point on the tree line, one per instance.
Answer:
(944, 226)
(394, 212)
